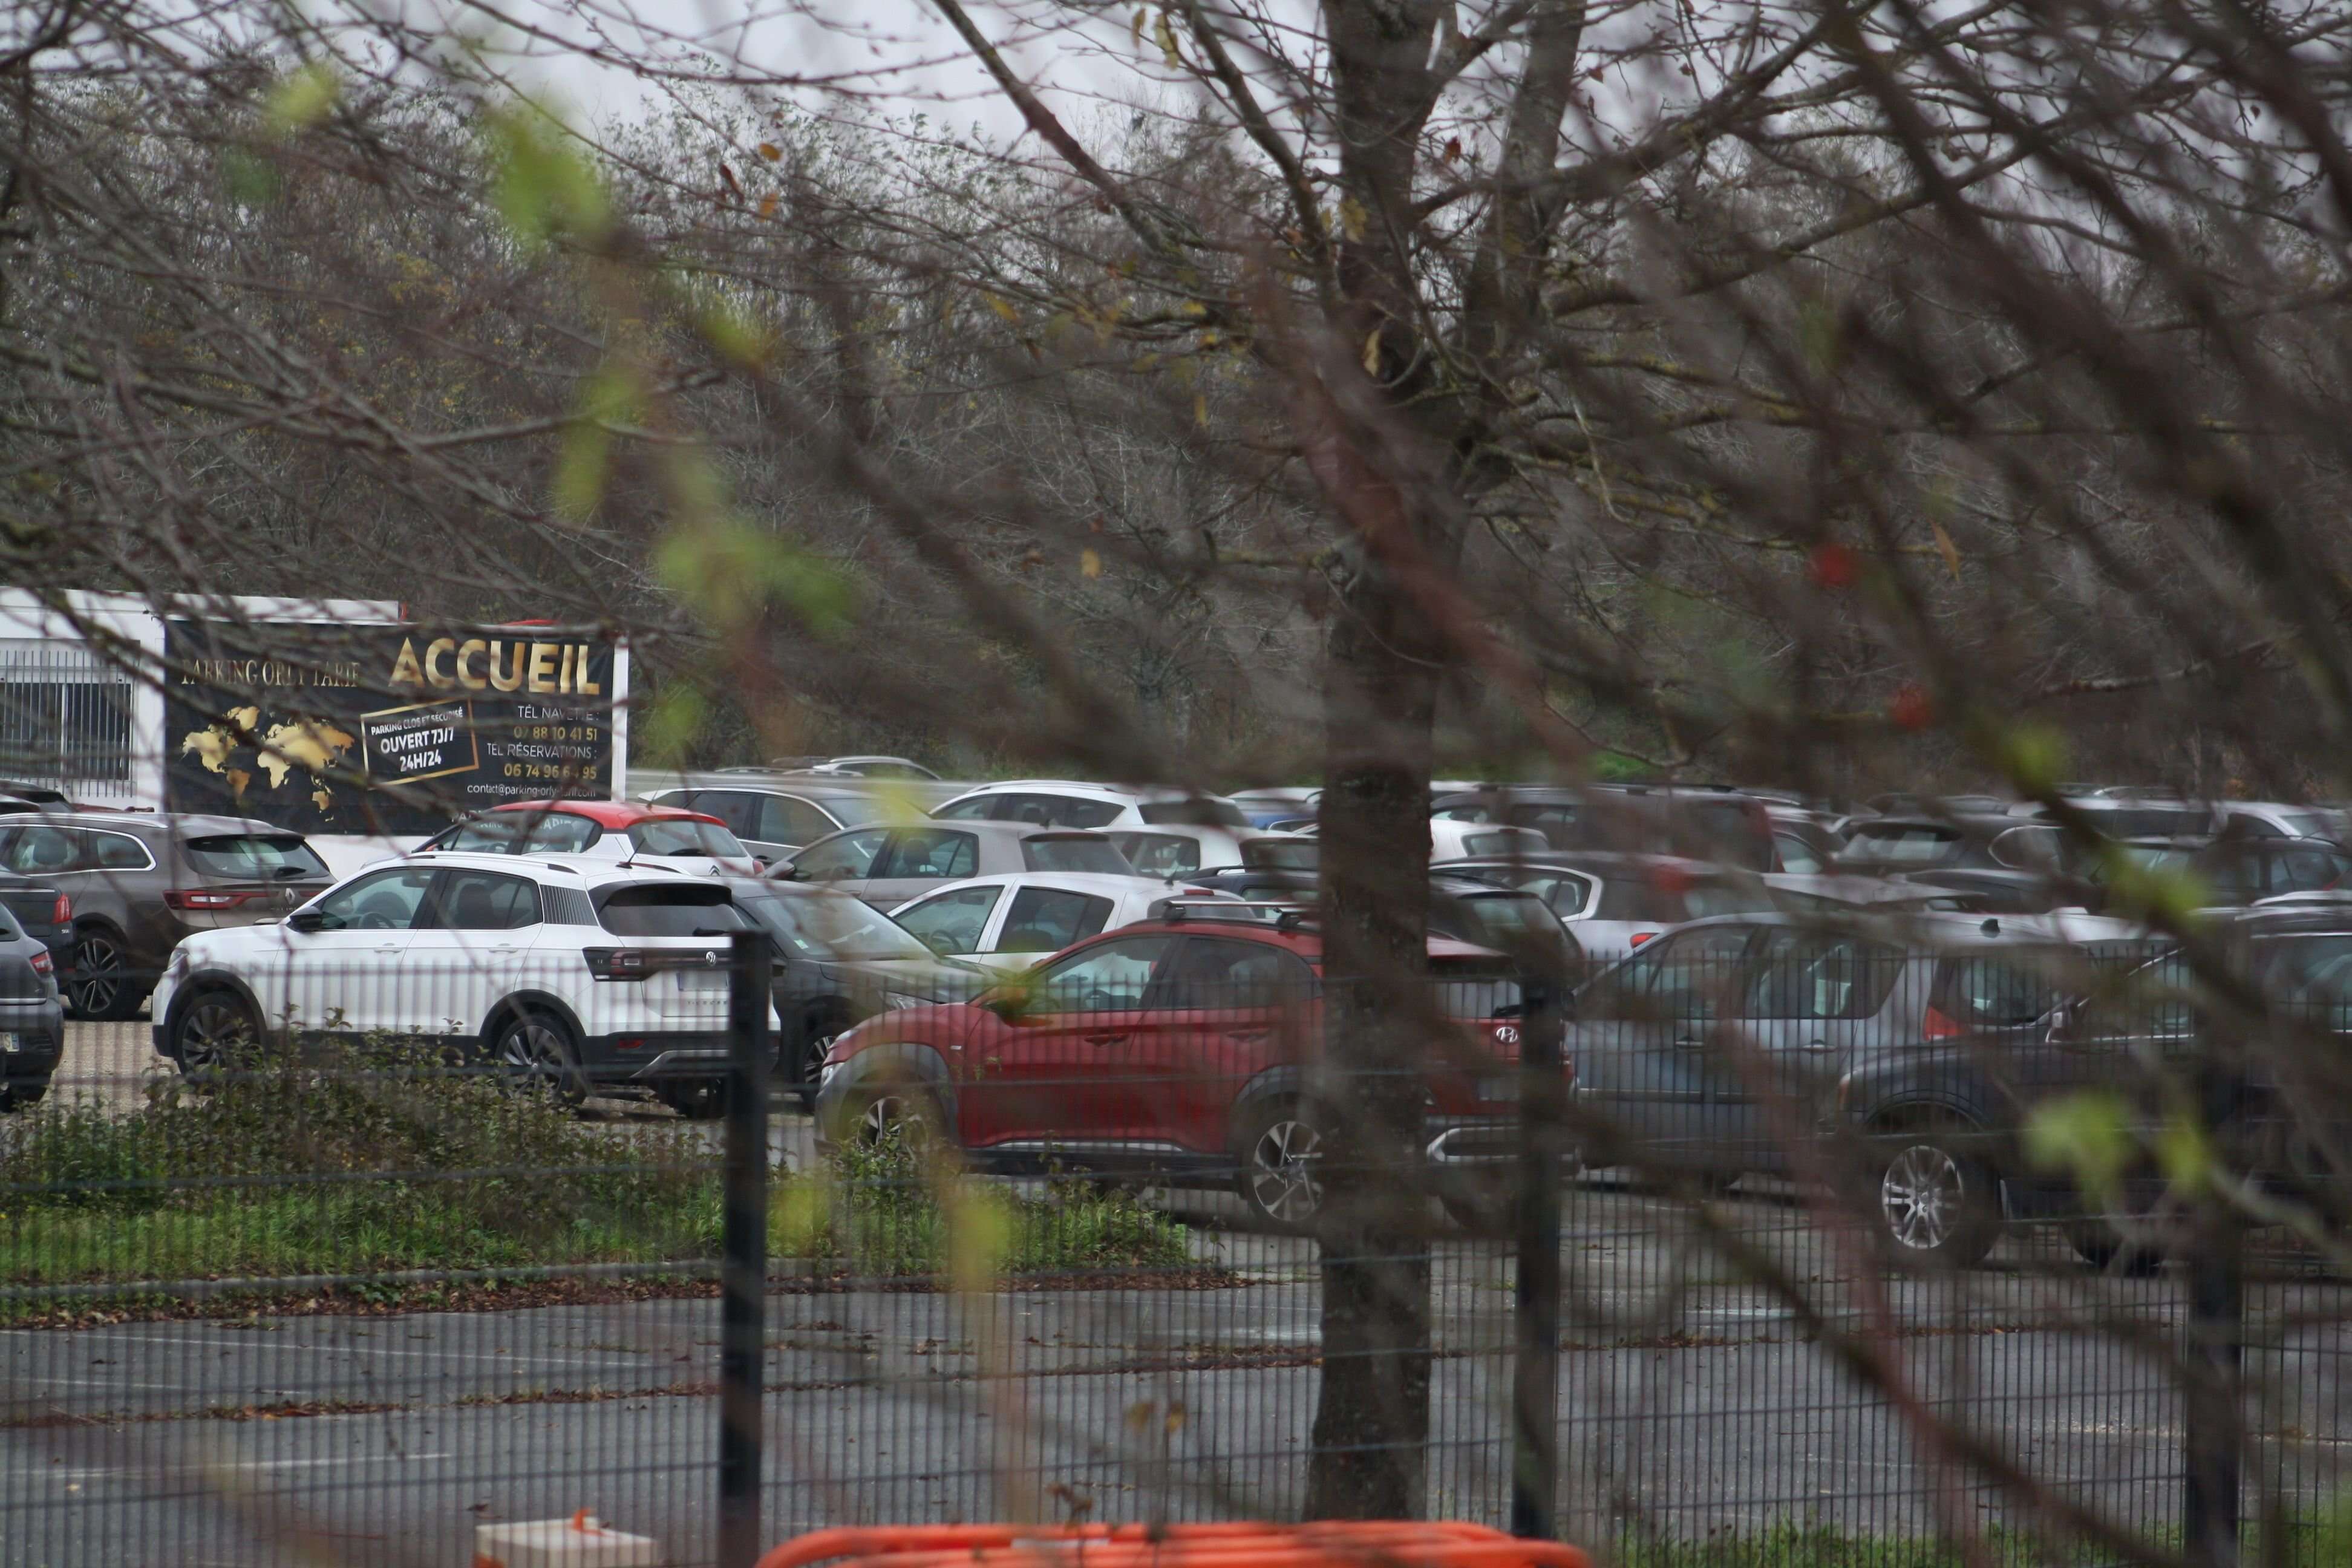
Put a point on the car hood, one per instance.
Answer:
(928, 979)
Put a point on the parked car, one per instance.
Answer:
(1695, 821)
(562, 974)
(1286, 803)
(1181, 849)
(1803, 841)
(1071, 802)
(776, 814)
(32, 1020)
(839, 961)
(614, 830)
(888, 866)
(1885, 846)
(42, 912)
(1839, 896)
(140, 882)
(855, 767)
(1009, 922)
(2274, 819)
(1466, 909)
(1451, 840)
(1613, 903)
(1177, 1051)
(1713, 1050)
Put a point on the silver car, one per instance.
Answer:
(888, 866)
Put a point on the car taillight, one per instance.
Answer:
(43, 964)
(1941, 1025)
(1641, 936)
(63, 913)
(620, 962)
(206, 900)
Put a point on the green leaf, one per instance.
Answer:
(2086, 1135)
(252, 181)
(581, 467)
(2034, 756)
(302, 98)
(666, 727)
(543, 188)
(730, 571)
(2185, 1153)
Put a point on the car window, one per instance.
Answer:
(1109, 977)
(843, 854)
(117, 852)
(1637, 897)
(388, 901)
(1707, 897)
(1152, 854)
(952, 921)
(1047, 920)
(1512, 921)
(2304, 869)
(1501, 843)
(1556, 820)
(2310, 978)
(977, 808)
(254, 856)
(1910, 843)
(486, 900)
(738, 809)
(1680, 978)
(682, 908)
(1566, 895)
(935, 853)
(1200, 811)
(684, 836)
(2002, 991)
(1290, 855)
(1472, 813)
(1218, 974)
(1060, 810)
(1074, 852)
(1796, 855)
(1799, 973)
(786, 819)
(34, 850)
(524, 832)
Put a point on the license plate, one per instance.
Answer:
(702, 980)
(9, 1040)
(1505, 1087)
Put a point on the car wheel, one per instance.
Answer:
(21, 1095)
(215, 1034)
(903, 1116)
(535, 1054)
(101, 985)
(1937, 1201)
(1281, 1161)
(816, 1043)
(2098, 1243)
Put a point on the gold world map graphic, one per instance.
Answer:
(309, 746)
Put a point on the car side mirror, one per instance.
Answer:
(306, 921)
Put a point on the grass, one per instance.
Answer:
(371, 1166)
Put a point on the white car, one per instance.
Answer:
(1451, 840)
(560, 974)
(1009, 922)
(1074, 803)
(1181, 849)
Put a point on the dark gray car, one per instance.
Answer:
(140, 882)
(776, 814)
(888, 866)
(32, 1023)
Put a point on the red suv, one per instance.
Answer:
(1176, 1051)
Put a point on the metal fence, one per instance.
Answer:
(2007, 1240)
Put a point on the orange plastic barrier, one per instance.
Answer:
(1389, 1543)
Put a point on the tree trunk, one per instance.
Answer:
(1371, 1422)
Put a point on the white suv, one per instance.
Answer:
(562, 974)
(1073, 803)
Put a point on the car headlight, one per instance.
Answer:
(894, 1000)
(824, 1073)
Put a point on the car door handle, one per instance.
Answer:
(1819, 1046)
(1689, 1043)
(1106, 1039)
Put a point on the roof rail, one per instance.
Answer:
(1176, 911)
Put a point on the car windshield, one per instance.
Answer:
(670, 910)
(685, 836)
(1301, 855)
(255, 857)
(526, 832)
(1704, 898)
(859, 809)
(832, 926)
(1074, 852)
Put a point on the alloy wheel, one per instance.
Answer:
(1282, 1181)
(889, 1116)
(214, 1034)
(1922, 1194)
(97, 983)
(534, 1055)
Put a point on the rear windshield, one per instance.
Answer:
(832, 926)
(2147, 821)
(665, 911)
(1474, 989)
(684, 836)
(1074, 852)
(1299, 855)
(1918, 844)
(1704, 899)
(255, 857)
(1198, 811)
(550, 832)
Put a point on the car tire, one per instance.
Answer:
(534, 1053)
(696, 1099)
(100, 985)
(2100, 1244)
(23, 1096)
(214, 1033)
(818, 1032)
(1937, 1203)
(1279, 1151)
(906, 1114)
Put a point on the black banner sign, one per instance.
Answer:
(302, 725)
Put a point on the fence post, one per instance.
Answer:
(2212, 1432)
(743, 1253)
(1535, 1375)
